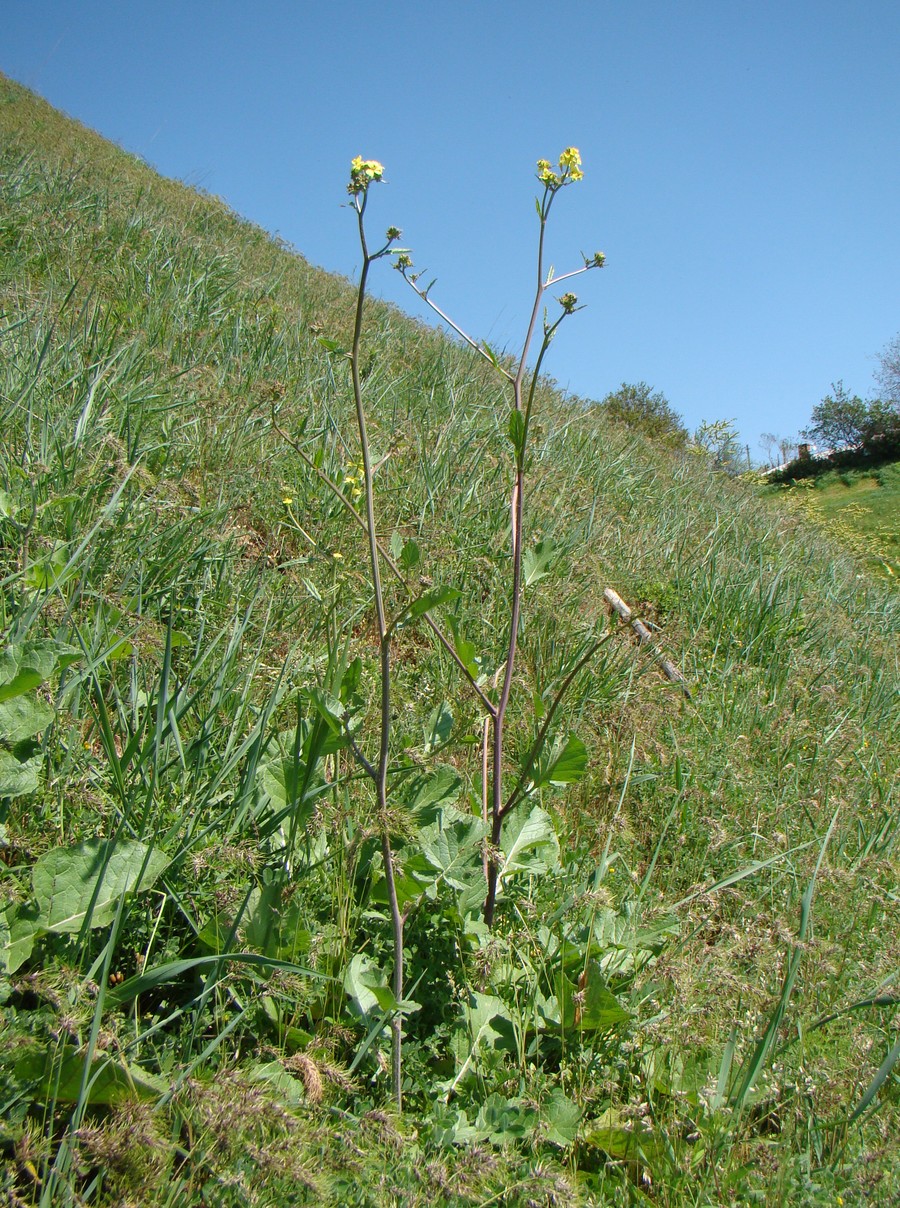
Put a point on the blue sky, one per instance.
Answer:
(742, 163)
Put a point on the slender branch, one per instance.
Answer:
(423, 294)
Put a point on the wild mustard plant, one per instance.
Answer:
(356, 492)
(522, 384)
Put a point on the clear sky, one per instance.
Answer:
(741, 157)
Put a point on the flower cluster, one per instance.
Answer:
(353, 482)
(568, 302)
(362, 173)
(569, 169)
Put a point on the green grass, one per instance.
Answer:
(175, 632)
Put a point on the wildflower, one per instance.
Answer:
(337, 555)
(570, 164)
(287, 501)
(546, 175)
(393, 233)
(568, 302)
(404, 261)
(362, 173)
(596, 261)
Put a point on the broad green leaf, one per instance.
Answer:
(479, 1015)
(331, 346)
(438, 727)
(429, 793)
(501, 1120)
(23, 717)
(22, 929)
(452, 846)
(621, 1138)
(84, 883)
(590, 1005)
(536, 562)
(410, 555)
(561, 1117)
(7, 507)
(27, 666)
(59, 1076)
(565, 763)
(19, 776)
(395, 545)
(528, 843)
(370, 995)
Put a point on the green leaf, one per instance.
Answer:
(331, 346)
(410, 555)
(396, 545)
(516, 431)
(7, 507)
(561, 1117)
(60, 1076)
(439, 727)
(564, 763)
(424, 603)
(22, 929)
(595, 1009)
(367, 988)
(19, 776)
(465, 651)
(27, 666)
(23, 717)
(528, 843)
(84, 883)
(536, 562)
(479, 1015)
(429, 793)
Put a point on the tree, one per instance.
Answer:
(720, 440)
(646, 410)
(888, 373)
(845, 421)
(778, 449)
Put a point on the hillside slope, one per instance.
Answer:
(179, 596)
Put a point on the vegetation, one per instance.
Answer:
(687, 993)
(648, 411)
(844, 422)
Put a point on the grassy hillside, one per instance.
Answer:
(689, 995)
(862, 507)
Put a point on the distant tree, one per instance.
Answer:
(720, 440)
(845, 421)
(778, 449)
(646, 410)
(888, 373)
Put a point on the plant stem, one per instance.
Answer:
(384, 642)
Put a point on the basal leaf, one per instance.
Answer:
(19, 776)
(84, 883)
(23, 717)
(60, 1075)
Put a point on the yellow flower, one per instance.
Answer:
(570, 158)
(546, 175)
(287, 501)
(362, 173)
(337, 555)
